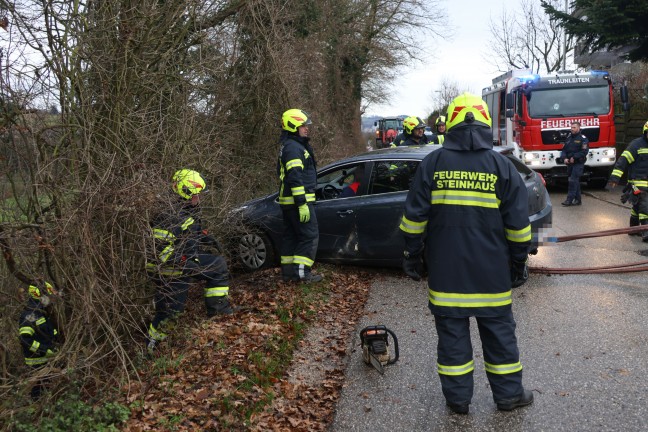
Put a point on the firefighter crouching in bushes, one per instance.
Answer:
(38, 334)
(297, 171)
(179, 259)
(635, 159)
(472, 203)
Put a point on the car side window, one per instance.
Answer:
(344, 182)
(392, 176)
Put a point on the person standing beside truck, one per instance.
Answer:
(574, 153)
(635, 160)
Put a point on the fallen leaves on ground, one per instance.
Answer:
(277, 364)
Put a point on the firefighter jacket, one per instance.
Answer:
(38, 335)
(178, 234)
(634, 159)
(436, 139)
(576, 146)
(407, 140)
(297, 170)
(473, 204)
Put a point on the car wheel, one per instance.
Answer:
(254, 251)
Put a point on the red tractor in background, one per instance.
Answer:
(387, 129)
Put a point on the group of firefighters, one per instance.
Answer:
(414, 132)
(443, 226)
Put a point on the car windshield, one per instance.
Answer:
(575, 101)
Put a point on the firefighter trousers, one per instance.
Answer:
(172, 291)
(299, 242)
(455, 357)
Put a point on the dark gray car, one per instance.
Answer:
(361, 229)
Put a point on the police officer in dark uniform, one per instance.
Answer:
(39, 336)
(180, 258)
(472, 203)
(413, 133)
(635, 160)
(297, 171)
(574, 154)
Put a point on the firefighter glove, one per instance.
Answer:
(304, 213)
(49, 353)
(519, 273)
(413, 265)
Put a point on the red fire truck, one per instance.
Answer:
(533, 114)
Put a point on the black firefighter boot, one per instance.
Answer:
(644, 234)
(634, 221)
(288, 273)
(219, 306)
(304, 274)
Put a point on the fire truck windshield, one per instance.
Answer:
(563, 102)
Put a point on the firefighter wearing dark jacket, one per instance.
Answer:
(440, 130)
(635, 160)
(38, 334)
(468, 206)
(297, 171)
(179, 257)
(413, 133)
(574, 154)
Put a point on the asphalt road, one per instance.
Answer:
(583, 342)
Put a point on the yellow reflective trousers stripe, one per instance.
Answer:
(503, 369)
(216, 291)
(456, 370)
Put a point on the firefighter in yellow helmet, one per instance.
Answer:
(38, 334)
(297, 171)
(181, 257)
(634, 159)
(440, 130)
(467, 210)
(413, 133)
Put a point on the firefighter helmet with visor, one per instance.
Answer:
(411, 123)
(188, 183)
(39, 292)
(292, 119)
(466, 109)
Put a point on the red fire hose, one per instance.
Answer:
(619, 268)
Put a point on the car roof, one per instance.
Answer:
(401, 152)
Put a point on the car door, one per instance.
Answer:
(378, 219)
(337, 216)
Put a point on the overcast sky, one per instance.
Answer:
(459, 59)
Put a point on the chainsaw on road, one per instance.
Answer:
(375, 343)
